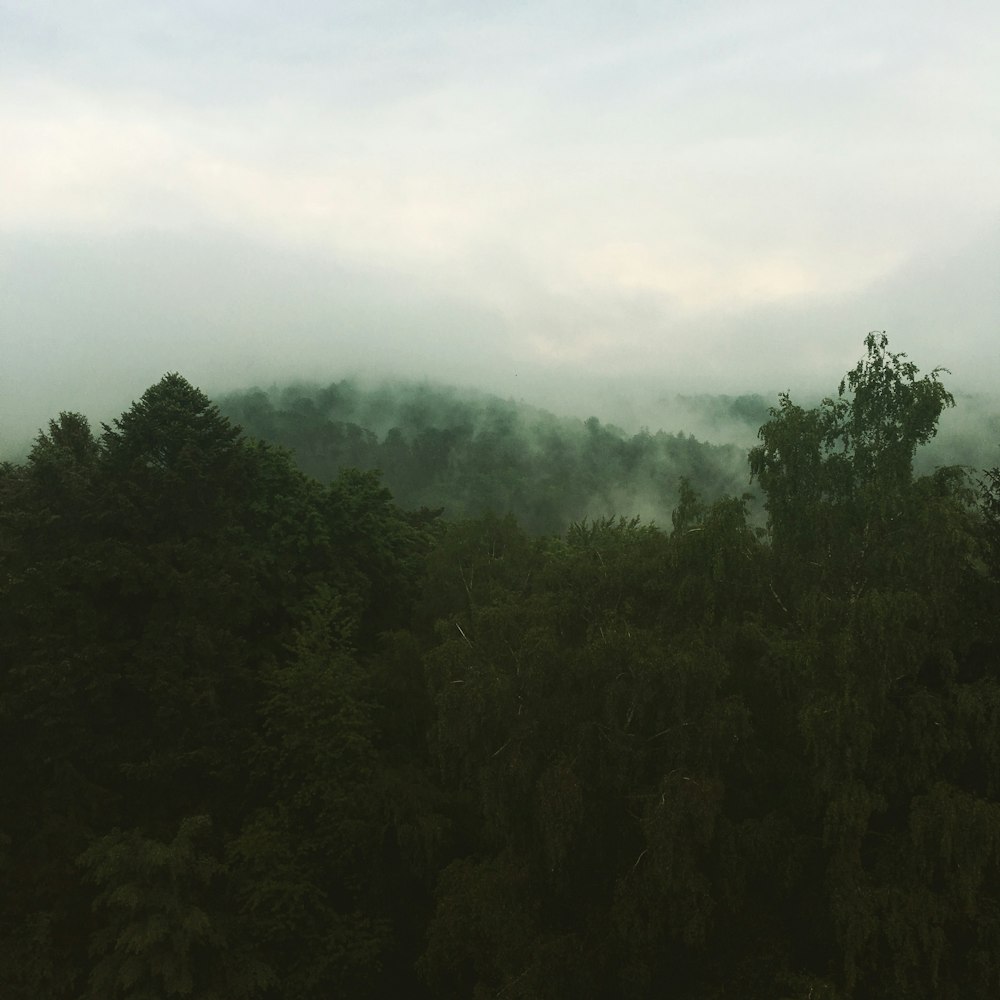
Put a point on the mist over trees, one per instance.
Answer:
(469, 454)
(272, 731)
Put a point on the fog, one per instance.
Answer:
(100, 320)
(592, 212)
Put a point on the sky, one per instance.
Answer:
(555, 201)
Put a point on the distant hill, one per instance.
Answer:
(466, 452)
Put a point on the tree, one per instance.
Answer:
(591, 735)
(838, 478)
(305, 855)
(151, 579)
(163, 932)
(877, 599)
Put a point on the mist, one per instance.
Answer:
(89, 323)
(593, 212)
(477, 664)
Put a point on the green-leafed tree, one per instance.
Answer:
(305, 854)
(164, 923)
(839, 478)
(153, 582)
(593, 731)
(877, 600)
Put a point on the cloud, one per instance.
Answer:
(729, 194)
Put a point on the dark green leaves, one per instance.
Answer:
(271, 738)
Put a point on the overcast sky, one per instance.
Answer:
(727, 195)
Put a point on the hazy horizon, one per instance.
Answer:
(565, 204)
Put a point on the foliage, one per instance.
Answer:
(472, 455)
(276, 738)
(837, 477)
(163, 933)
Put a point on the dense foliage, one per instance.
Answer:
(271, 738)
(469, 455)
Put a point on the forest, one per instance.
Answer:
(327, 696)
(470, 454)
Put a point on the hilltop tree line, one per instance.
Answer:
(266, 737)
(469, 455)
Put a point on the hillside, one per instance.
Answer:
(470, 453)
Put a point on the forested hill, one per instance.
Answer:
(267, 738)
(437, 447)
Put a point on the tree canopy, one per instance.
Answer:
(270, 737)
